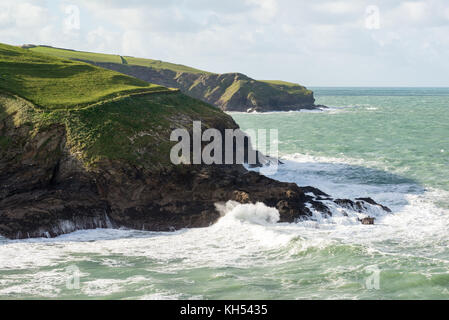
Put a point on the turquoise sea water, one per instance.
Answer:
(388, 143)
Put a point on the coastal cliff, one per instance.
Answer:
(70, 161)
(229, 91)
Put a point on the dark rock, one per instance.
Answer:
(374, 203)
(360, 205)
(346, 203)
(45, 190)
(367, 220)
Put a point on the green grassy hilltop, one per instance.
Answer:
(104, 114)
(111, 58)
(51, 82)
(229, 91)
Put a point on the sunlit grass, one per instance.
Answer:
(52, 83)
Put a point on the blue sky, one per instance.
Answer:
(315, 43)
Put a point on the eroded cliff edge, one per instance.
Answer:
(108, 166)
(83, 147)
(228, 91)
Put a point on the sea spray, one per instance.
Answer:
(354, 153)
(257, 213)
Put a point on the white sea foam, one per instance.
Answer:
(416, 221)
(413, 214)
(246, 235)
(254, 213)
(267, 113)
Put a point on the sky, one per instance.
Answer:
(314, 43)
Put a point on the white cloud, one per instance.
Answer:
(416, 11)
(319, 42)
(5, 16)
(446, 13)
(22, 21)
(134, 44)
(29, 15)
(338, 7)
(102, 40)
(265, 10)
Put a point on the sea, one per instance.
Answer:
(390, 144)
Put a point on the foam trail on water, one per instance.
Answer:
(416, 222)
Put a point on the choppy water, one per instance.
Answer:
(390, 144)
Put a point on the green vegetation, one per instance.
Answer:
(264, 92)
(157, 64)
(134, 128)
(80, 55)
(280, 82)
(109, 58)
(289, 87)
(231, 92)
(4, 142)
(52, 83)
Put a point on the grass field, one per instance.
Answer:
(110, 58)
(266, 91)
(71, 54)
(280, 82)
(290, 87)
(52, 83)
(263, 90)
(134, 126)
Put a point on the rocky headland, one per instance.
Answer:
(228, 91)
(107, 164)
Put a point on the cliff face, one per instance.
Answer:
(229, 91)
(53, 183)
(104, 160)
(69, 174)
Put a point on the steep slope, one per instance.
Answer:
(230, 92)
(107, 163)
(55, 83)
(110, 58)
